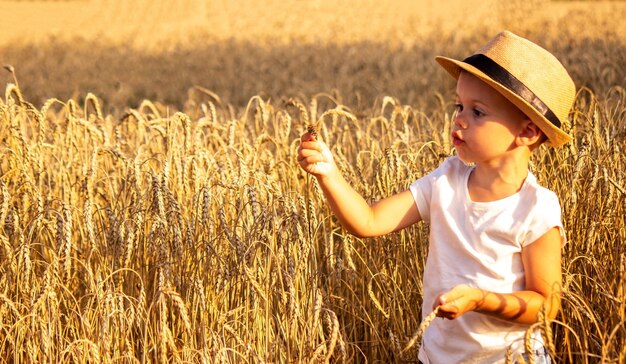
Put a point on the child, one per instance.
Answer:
(494, 258)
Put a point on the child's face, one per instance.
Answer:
(486, 123)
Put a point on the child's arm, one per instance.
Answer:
(354, 213)
(542, 265)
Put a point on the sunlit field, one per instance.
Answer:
(152, 208)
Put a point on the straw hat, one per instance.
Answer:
(528, 76)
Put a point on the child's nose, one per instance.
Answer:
(459, 120)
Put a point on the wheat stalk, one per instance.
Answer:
(193, 232)
(417, 336)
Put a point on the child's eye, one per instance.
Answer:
(477, 113)
(458, 107)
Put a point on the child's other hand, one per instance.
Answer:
(314, 156)
(457, 301)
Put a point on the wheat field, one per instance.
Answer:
(152, 209)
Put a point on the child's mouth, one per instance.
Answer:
(456, 140)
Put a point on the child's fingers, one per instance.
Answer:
(308, 137)
(447, 309)
(440, 300)
(315, 157)
(455, 302)
(312, 145)
(309, 156)
(315, 145)
(459, 291)
(309, 148)
(450, 296)
(446, 314)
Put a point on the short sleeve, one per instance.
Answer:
(546, 215)
(422, 189)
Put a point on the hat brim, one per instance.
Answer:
(556, 137)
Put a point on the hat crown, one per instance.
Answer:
(536, 68)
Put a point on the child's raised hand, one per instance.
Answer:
(457, 301)
(314, 156)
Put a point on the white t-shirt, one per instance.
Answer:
(478, 244)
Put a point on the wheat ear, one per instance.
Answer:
(377, 304)
(420, 331)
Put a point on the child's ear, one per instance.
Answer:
(529, 134)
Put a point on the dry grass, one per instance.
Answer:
(133, 232)
(156, 238)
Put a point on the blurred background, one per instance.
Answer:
(125, 51)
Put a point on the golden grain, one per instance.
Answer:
(182, 236)
(372, 296)
(420, 331)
